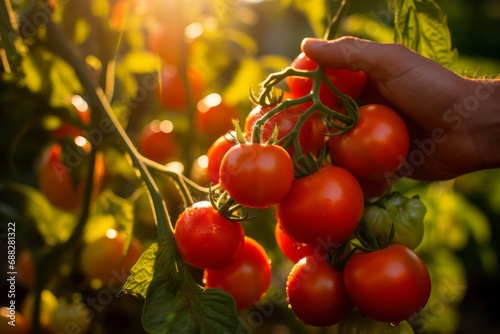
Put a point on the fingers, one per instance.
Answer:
(355, 54)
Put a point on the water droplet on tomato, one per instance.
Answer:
(395, 324)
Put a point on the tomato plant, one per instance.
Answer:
(61, 183)
(247, 278)
(107, 259)
(157, 141)
(256, 175)
(206, 239)
(316, 294)
(216, 152)
(326, 205)
(194, 64)
(375, 147)
(390, 284)
(347, 82)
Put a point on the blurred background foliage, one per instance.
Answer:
(240, 43)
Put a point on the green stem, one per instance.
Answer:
(335, 21)
(181, 181)
(100, 104)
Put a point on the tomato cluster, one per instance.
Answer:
(349, 234)
(206, 239)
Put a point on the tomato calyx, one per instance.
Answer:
(226, 206)
(339, 257)
(368, 241)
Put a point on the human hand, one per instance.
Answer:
(454, 122)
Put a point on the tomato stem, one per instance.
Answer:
(334, 23)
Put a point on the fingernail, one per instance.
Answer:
(311, 43)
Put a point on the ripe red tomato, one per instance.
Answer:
(214, 117)
(324, 207)
(59, 182)
(206, 239)
(216, 152)
(285, 120)
(172, 91)
(157, 141)
(347, 82)
(318, 139)
(289, 248)
(256, 175)
(316, 294)
(104, 259)
(82, 109)
(389, 285)
(168, 42)
(375, 147)
(247, 278)
(376, 188)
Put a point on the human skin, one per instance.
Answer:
(453, 121)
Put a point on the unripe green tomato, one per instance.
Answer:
(407, 215)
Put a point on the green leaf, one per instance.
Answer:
(248, 74)
(176, 304)
(367, 26)
(49, 75)
(53, 225)
(142, 62)
(141, 274)
(12, 49)
(422, 26)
